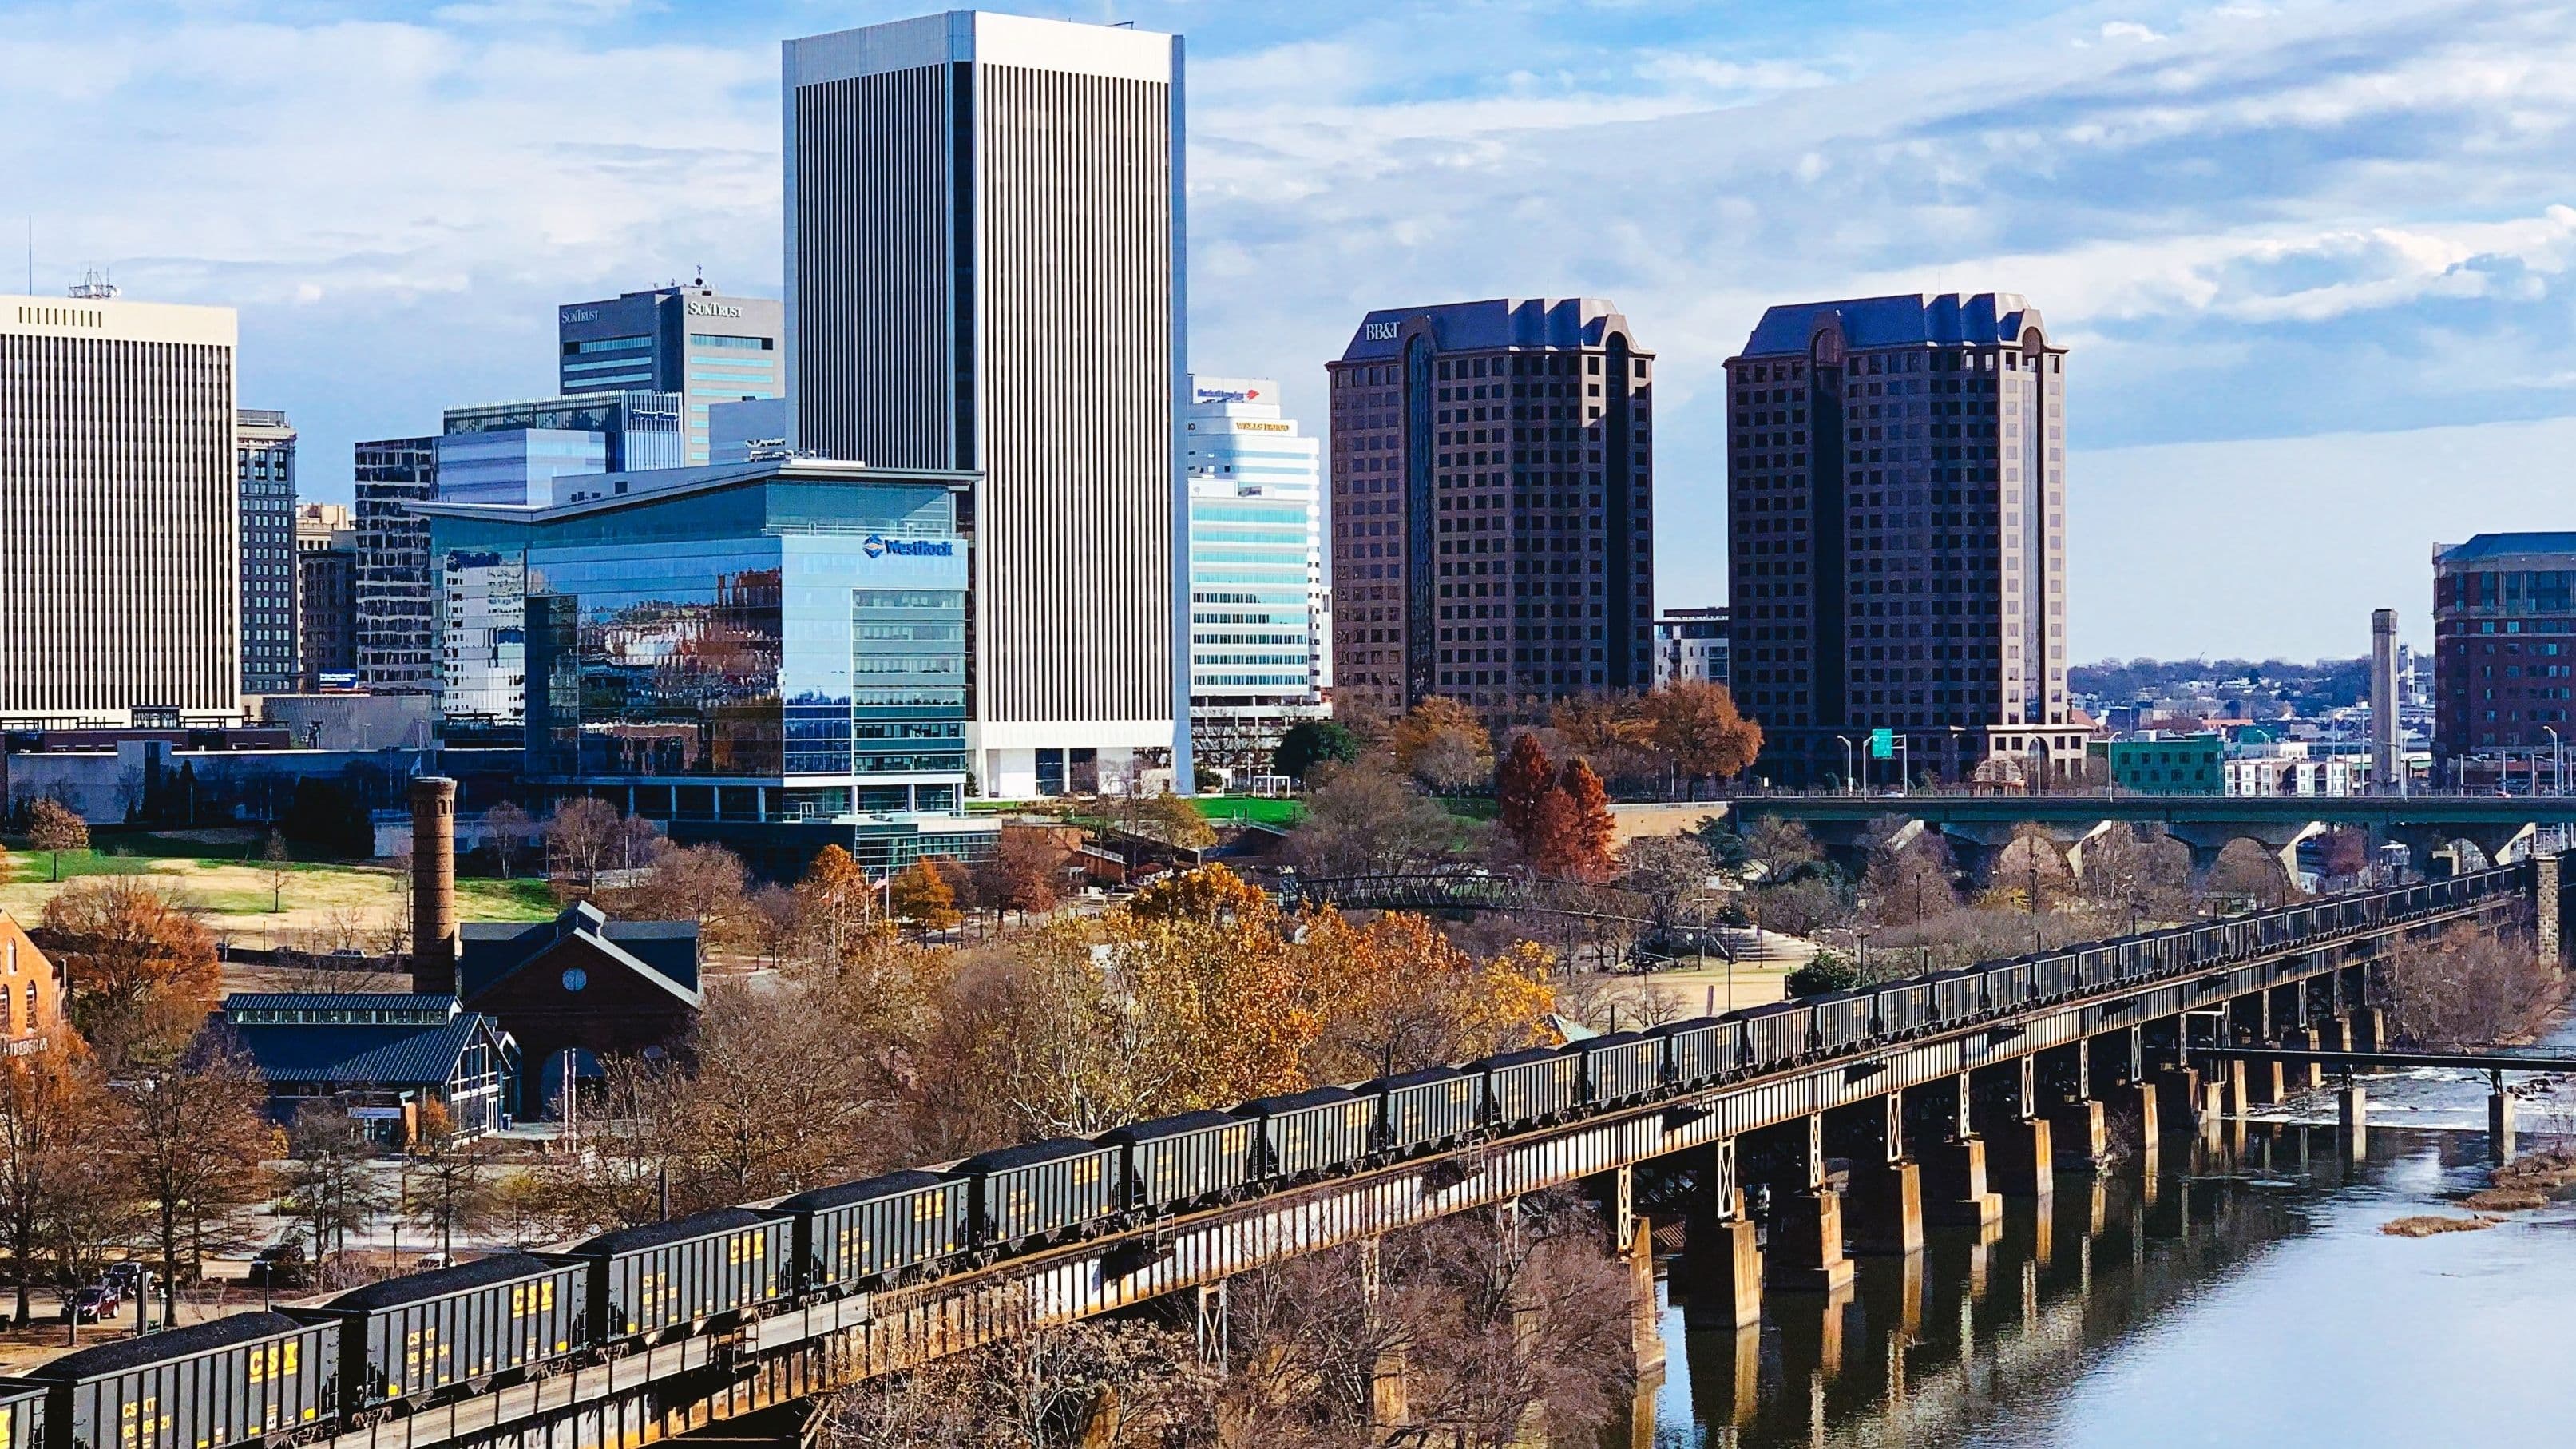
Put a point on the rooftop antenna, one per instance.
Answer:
(702, 276)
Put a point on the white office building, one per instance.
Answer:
(120, 491)
(1692, 644)
(1259, 626)
(984, 237)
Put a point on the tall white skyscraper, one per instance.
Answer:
(1260, 653)
(120, 567)
(984, 242)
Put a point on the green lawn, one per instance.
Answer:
(236, 894)
(1255, 809)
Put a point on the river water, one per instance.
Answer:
(2241, 1294)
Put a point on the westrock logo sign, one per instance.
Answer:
(878, 546)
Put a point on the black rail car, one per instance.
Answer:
(2008, 985)
(725, 1263)
(1901, 1008)
(1310, 1133)
(881, 1230)
(410, 1340)
(1432, 1108)
(210, 1385)
(1622, 1067)
(22, 1414)
(1701, 1051)
(1530, 1086)
(1192, 1160)
(1837, 1021)
(1043, 1192)
(2055, 975)
(1957, 996)
(1774, 1034)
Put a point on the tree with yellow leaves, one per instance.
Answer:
(1396, 995)
(1439, 743)
(923, 899)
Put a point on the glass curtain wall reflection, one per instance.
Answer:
(743, 648)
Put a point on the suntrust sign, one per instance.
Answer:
(878, 546)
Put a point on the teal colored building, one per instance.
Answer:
(2174, 765)
(768, 654)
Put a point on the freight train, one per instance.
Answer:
(408, 1343)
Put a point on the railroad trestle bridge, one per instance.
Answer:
(1935, 1128)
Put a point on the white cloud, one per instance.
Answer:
(2192, 197)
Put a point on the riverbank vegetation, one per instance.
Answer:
(2468, 987)
(1475, 1332)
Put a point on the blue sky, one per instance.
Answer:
(2313, 258)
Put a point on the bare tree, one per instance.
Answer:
(509, 829)
(277, 863)
(195, 1141)
(2467, 987)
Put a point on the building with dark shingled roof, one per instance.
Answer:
(379, 1055)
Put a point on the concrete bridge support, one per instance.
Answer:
(1885, 1199)
(1720, 1273)
(1954, 1171)
(2352, 1119)
(1805, 1253)
(2500, 1126)
(2023, 1157)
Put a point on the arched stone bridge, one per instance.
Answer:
(1977, 826)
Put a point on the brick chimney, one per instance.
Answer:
(433, 885)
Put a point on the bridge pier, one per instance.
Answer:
(2352, 1120)
(2024, 1158)
(2369, 1029)
(2500, 1125)
(2334, 1033)
(1886, 1202)
(1720, 1273)
(2179, 1099)
(2310, 1074)
(2263, 1085)
(1954, 1171)
(1806, 1250)
(1645, 1321)
(2021, 1156)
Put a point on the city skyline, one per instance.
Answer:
(2326, 281)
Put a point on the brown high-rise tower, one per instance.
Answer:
(1896, 520)
(433, 885)
(1492, 504)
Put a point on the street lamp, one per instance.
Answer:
(1847, 762)
(2558, 761)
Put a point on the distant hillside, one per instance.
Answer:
(2305, 688)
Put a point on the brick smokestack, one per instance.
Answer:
(433, 885)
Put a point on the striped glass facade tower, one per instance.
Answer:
(1896, 511)
(120, 567)
(984, 240)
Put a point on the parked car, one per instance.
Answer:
(96, 1303)
(126, 1278)
(280, 1265)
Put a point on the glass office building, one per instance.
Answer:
(686, 339)
(771, 654)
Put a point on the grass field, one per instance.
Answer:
(1255, 809)
(235, 897)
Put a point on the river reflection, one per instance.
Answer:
(2241, 1294)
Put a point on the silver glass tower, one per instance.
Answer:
(984, 240)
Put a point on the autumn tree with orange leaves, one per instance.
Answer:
(1199, 994)
(1571, 829)
(140, 973)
